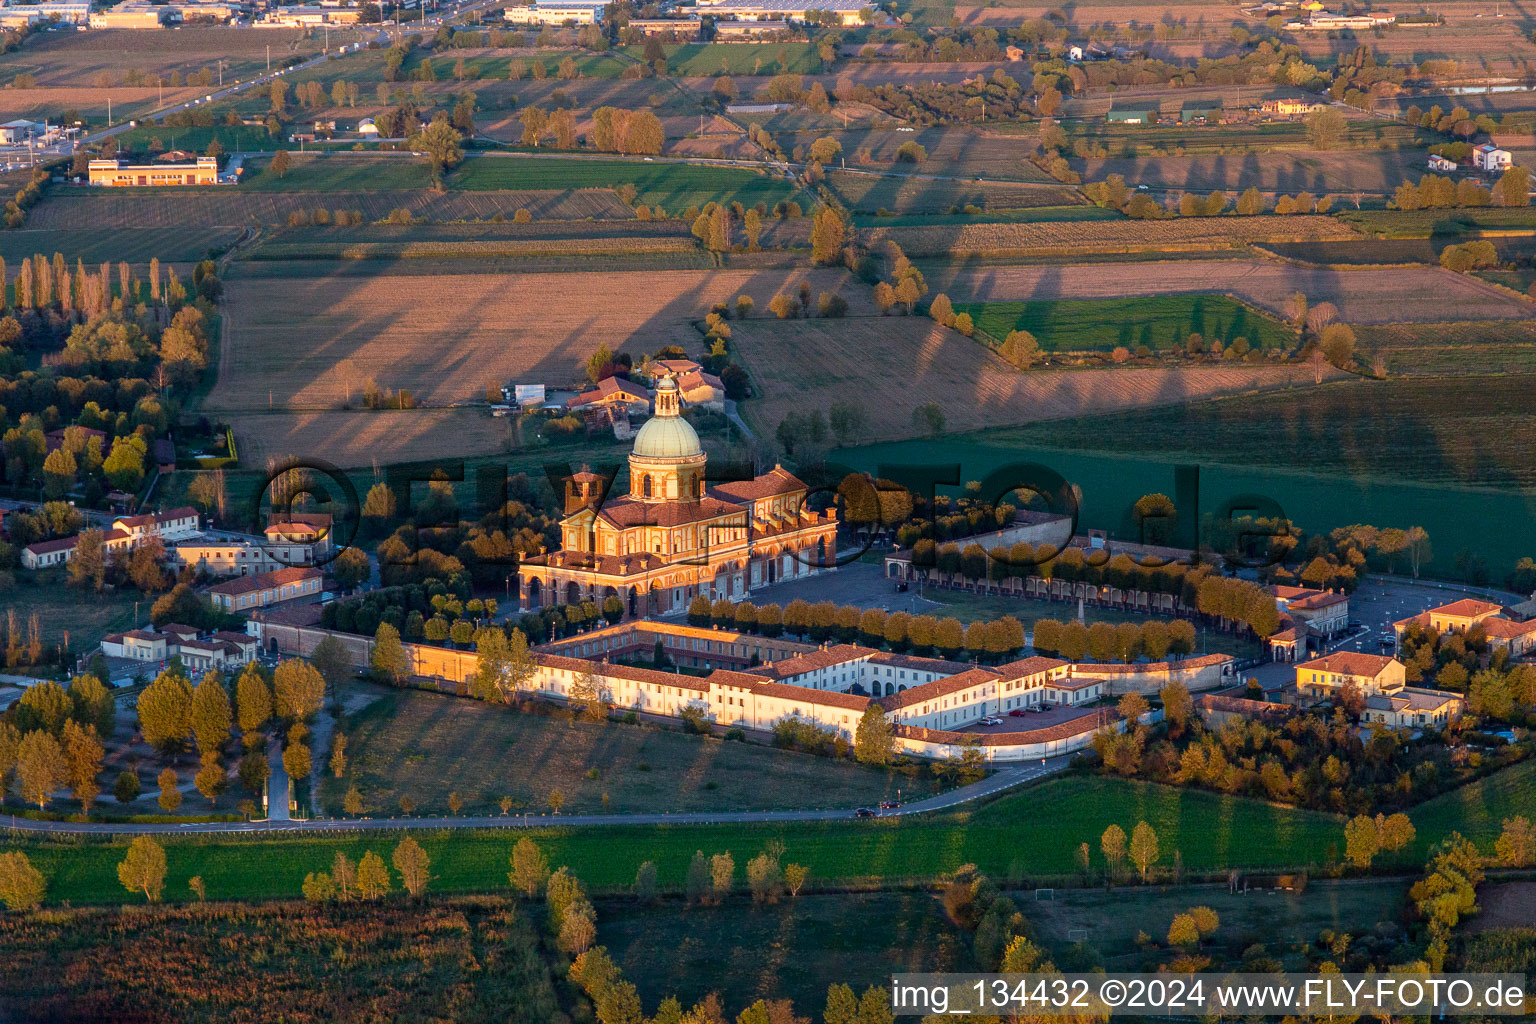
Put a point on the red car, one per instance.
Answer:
(1016, 713)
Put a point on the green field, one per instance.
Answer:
(1425, 429)
(1429, 223)
(429, 745)
(1005, 838)
(136, 245)
(63, 612)
(1368, 251)
(698, 59)
(337, 174)
(670, 185)
(1237, 139)
(367, 67)
(1098, 325)
(237, 138)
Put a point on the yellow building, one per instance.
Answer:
(1381, 683)
(672, 537)
(116, 173)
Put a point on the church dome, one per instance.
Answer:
(667, 435)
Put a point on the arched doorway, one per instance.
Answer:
(634, 601)
(535, 597)
(573, 593)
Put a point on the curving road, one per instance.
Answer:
(1006, 778)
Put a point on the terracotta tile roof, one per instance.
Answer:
(1029, 667)
(1243, 706)
(1317, 602)
(179, 628)
(610, 388)
(939, 687)
(1136, 668)
(777, 480)
(44, 547)
(263, 580)
(626, 512)
(1507, 629)
(155, 519)
(1350, 663)
(670, 366)
(829, 698)
(1466, 607)
(239, 639)
(727, 677)
(826, 657)
(1291, 593)
(289, 615)
(909, 661)
(630, 672)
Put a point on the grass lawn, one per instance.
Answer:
(1025, 836)
(673, 186)
(858, 939)
(337, 174)
(1098, 325)
(62, 610)
(696, 59)
(234, 138)
(1426, 429)
(1478, 810)
(970, 607)
(429, 744)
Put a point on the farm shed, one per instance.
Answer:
(1132, 115)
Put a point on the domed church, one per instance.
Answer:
(675, 536)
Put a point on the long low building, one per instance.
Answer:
(117, 174)
(221, 650)
(845, 12)
(831, 687)
(247, 593)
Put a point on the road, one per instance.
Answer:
(1006, 778)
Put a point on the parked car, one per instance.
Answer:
(889, 805)
(863, 812)
(1017, 713)
(1037, 709)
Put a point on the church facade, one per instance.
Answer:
(674, 536)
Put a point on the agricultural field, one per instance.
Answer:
(817, 362)
(1361, 296)
(869, 191)
(673, 186)
(67, 617)
(1126, 141)
(152, 137)
(1030, 215)
(1348, 171)
(360, 438)
(1426, 429)
(75, 60)
(428, 745)
(88, 103)
(1098, 325)
(858, 939)
(311, 342)
(1106, 236)
(1001, 838)
(337, 173)
(135, 245)
(397, 960)
(1391, 251)
(1454, 348)
(1436, 223)
(692, 60)
(232, 207)
(951, 151)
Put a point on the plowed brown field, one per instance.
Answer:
(891, 365)
(1362, 296)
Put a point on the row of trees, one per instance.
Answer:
(875, 627)
(1123, 642)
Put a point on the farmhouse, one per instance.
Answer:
(1380, 682)
(1490, 159)
(611, 391)
(115, 173)
(219, 650)
(178, 524)
(1441, 164)
(266, 588)
(1502, 629)
(1288, 107)
(672, 538)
